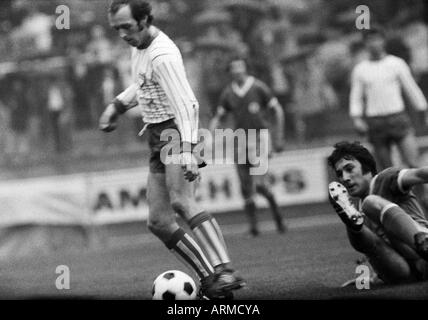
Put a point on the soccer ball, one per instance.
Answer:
(174, 285)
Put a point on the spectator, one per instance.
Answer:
(99, 55)
(19, 147)
(358, 52)
(99, 48)
(78, 75)
(55, 108)
(5, 131)
(59, 117)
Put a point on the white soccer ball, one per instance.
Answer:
(174, 285)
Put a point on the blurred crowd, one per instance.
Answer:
(55, 83)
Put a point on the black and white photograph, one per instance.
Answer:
(235, 152)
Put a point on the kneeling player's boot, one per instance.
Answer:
(339, 198)
(421, 244)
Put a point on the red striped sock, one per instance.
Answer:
(189, 252)
(210, 237)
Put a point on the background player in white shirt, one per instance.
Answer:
(161, 89)
(376, 102)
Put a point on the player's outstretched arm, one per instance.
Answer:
(411, 88)
(412, 177)
(108, 119)
(278, 139)
(356, 102)
(216, 120)
(122, 103)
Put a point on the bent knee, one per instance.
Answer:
(373, 202)
(373, 205)
(262, 188)
(247, 191)
(160, 226)
(180, 206)
(249, 201)
(398, 273)
(185, 207)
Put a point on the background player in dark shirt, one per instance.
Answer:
(251, 104)
(389, 226)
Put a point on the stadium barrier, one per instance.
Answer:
(34, 210)
(42, 215)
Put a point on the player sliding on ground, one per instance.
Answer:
(167, 102)
(389, 226)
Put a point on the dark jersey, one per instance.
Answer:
(387, 184)
(249, 104)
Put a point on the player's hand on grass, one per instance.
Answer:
(108, 120)
(189, 165)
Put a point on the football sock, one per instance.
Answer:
(399, 223)
(210, 238)
(250, 210)
(272, 203)
(189, 252)
(363, 240)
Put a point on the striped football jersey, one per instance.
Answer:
(161, 89)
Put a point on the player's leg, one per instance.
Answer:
(418, 266)
(390, 266)
(397, 223)
(408, 149)
(248, 193)
(382, 151)
(409, 152)
(162, 223)
(263, 189)
(379, 138)
(204, 226)
(401, 132)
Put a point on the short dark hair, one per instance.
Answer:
(139, 9)
(356, 46)
(234, 59)
(353, 150)
(373, 30)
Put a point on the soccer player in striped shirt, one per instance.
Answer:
(161, 90)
